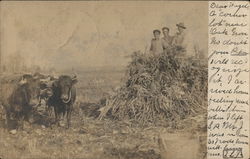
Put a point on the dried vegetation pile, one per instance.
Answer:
(158, 88)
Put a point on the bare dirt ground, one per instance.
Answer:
(89, 138)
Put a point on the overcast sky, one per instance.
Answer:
(92, 34)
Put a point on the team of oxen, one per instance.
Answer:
(19, 97)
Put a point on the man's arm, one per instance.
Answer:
(173, 40)
(151, 47)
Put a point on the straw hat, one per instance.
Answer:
(181, 25)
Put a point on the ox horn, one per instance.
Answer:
(74, 77)
(67, 101)
(35, 77)
(23, 81)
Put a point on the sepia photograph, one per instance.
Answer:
(103, 79)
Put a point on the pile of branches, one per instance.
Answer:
(162, 87)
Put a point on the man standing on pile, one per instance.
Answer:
(183, 42)
(166, 40)
(178, 40)
(156, 43)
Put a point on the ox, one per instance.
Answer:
(63, 98)
(18, 98)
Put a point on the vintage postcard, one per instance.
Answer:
(124, 80)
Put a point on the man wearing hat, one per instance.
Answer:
(179, 38)
(156, 43)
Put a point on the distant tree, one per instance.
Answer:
(1, 69)
(16, 62)
(51, 70)
(4, 69)
(37, 68)
(199, 53)
(196, 50)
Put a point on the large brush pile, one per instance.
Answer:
(160, 87)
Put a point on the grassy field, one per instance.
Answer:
(89, 138)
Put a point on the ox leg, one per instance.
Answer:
(56, 115)
(61, 119)
(47, 110)
(50, 110)
(27, 112)
(47, 107)
(69, 117)
(39, 101)
(19, 118)
(7, 119)
(21, 123)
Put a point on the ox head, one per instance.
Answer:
(65, 83)
(46, 87)
(31, 87)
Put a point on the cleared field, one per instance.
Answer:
(89, 138)
(93, 85)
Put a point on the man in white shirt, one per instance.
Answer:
(183, 43)
(179, 38)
